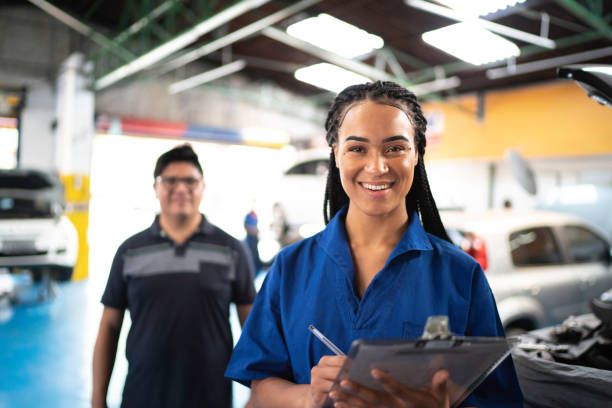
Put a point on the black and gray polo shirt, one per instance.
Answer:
(178, 296)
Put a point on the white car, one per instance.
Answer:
(542, 266)
(298, 201)
(34, 235)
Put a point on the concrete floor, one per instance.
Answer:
(46, 349)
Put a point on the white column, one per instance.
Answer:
(75, 117)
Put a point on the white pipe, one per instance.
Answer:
(346, 63)
(236, 35)
(207, 76)
(177, 43)
(534, 66)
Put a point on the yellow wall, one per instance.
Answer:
(551, 120)
(77, 210)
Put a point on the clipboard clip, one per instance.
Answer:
(436, 328)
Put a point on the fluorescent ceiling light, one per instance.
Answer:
(471, 43)
(335, 35)
(604, 69)
(328, 76)
(479, 7)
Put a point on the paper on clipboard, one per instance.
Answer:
(468, 360)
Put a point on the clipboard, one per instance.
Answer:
(468, 360)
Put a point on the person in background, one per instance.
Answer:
(379, 269)
(177, 279)
(252, 242)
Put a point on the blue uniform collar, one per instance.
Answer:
(335, 243)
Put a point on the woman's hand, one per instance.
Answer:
(395, 395)
(322, 377)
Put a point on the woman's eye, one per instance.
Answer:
(356, 149)
(394, 149)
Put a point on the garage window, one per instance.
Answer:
(584, 246)
(534, 246)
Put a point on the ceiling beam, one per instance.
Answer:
(394, 64)
(595, 21)
(235, 36)
(460, 66)
(204, 77)
(177, 43)
(541, 65)
(144, 21)
(356, 66)
(346, 63)
(489, 25)
(271, 65)
(84, 29)
(537, 15)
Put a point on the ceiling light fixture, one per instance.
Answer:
(476, 8)
(237, 35)
(471, 43)
(328, 76)
(489, 25)
(602, 69)
(335, 35)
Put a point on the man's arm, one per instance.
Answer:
(104, 355)
(243, 312)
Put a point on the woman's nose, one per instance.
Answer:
(377, 163)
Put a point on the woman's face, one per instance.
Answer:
(376, 157)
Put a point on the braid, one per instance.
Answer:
(335, 196)
(430, 217)
(419, 198)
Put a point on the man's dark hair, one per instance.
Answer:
(183, 153)
(419, 198)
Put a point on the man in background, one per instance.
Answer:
(177, 278)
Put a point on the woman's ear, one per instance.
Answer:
(335, 150)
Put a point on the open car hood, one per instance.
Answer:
(596, 80)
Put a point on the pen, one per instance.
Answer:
(325, 340)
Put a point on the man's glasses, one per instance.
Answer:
(169, 182)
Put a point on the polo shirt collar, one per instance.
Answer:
(414, 238)
(204, 228)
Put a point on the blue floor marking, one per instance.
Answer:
(40, 359)
(46, 350)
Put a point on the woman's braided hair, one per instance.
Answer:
(419, 197)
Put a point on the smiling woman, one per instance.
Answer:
(376, 169)
(379, 269)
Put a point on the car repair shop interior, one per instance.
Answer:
(519, 147)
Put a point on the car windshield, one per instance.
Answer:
(13, 207)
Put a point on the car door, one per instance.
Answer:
(589, 258)
(543, 273)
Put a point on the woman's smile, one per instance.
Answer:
(376, 158)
